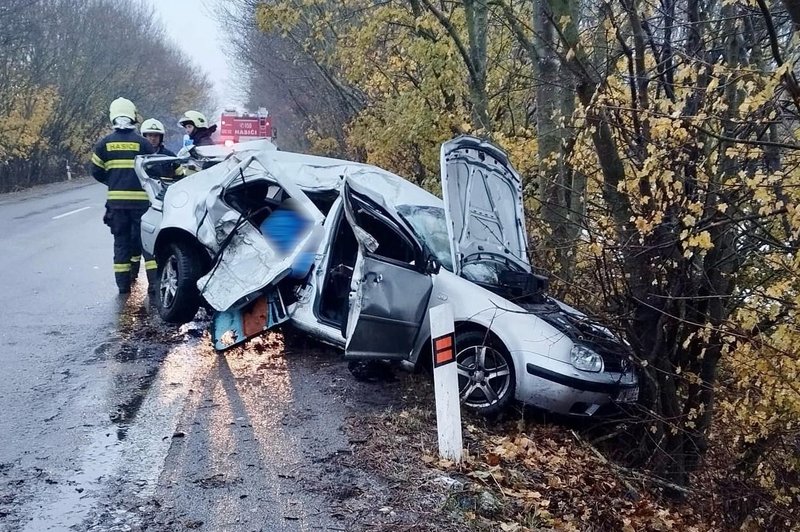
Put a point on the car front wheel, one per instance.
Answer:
(179, 268)
(486, 378)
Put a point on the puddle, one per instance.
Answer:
(74, 497)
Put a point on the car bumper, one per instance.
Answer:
(150, 227)
(568, 392)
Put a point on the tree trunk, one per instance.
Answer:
(477, 12)
(793, 8)
(561, 190)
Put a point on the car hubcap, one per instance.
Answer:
(483, 376)
(169, 282)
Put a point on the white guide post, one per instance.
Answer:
(445, 383)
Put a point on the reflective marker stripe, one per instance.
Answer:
(443, 351)
(150, 265)
(136, 258)
(97, 161)
(117, 164)
(123, 146)
(127, 195)
(122, 268)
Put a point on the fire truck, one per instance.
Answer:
(241, 127)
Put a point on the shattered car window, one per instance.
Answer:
(483, 272)
(430, 226)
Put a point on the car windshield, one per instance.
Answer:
(431, 227)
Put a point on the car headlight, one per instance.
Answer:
(585, 359)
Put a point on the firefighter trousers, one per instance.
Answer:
(126, 225)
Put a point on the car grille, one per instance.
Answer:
(614, 361)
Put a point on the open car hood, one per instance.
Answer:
(483, 203)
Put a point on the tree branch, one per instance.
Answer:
(453, 32)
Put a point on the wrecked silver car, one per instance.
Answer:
(375, 253)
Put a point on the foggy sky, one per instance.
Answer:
(191, 25)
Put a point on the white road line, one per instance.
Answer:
(71, 212)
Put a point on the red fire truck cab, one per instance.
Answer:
(241, 127)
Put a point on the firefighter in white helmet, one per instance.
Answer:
(197, 128)
(112, 164)
(153, 130)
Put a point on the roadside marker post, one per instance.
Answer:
(445, 383)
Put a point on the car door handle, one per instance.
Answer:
(374, 277)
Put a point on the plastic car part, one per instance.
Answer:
(236, 326)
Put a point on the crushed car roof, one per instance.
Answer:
(314, 173)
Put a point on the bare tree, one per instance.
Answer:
(64, 61)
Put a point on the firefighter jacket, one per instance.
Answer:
(202, 136)
(112, 165)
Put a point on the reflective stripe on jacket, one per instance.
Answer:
(112, 164)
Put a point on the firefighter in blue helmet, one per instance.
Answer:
(112, 165)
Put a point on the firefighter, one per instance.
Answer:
(112, 165)
(153, 130)
(196, 127)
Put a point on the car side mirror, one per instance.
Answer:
(432, 266)
(541, 283)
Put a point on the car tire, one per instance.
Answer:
(486, 387)
(177, 297)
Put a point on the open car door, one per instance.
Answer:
(250, 261)
(391, 284)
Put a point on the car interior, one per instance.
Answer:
(256, 200)
(336, 286)
(393, 246)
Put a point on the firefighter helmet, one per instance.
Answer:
(122, 107)
(195, 118)
(151, 125)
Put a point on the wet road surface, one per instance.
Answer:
(111, 420)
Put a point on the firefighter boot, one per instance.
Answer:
(152, 282)
(135, 262)
(123, 279)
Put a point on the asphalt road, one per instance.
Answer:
(110, 420)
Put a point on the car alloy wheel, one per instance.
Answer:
(169, 282)
(179, 267)
(485, 377)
